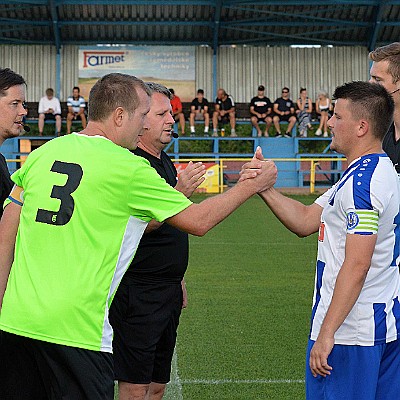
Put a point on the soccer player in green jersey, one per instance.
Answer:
(77, 213)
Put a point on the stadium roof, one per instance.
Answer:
(367, 23)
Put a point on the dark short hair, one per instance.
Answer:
(303, 89)
(172, 90)
(200, 91)
(50, 92)
(285, 88)
(77, 88)
(9, 78)
(369, 101)
(112, 91)
(158, 88)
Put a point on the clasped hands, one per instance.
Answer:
(263, 171)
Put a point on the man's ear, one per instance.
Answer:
(363, 128)
(118, 115)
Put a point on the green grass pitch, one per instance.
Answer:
(244, 333)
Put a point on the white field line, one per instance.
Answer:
(174, 388)
(265, 243)
(239, 381)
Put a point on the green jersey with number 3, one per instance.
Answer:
(86, 204)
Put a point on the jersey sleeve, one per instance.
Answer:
(69, 102)
(82, 102)
(324, 198)
(151, 197)
(365, 200)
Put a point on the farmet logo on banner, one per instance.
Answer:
(100, 58)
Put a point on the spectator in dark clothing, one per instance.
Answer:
(284, 111)
(199, 112)
(224, 112)
(261, 111)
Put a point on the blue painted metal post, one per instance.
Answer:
(217, 17)
(214, 74)
(58, 74)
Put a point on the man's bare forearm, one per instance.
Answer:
(8, 232)
(298, 218)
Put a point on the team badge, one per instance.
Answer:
(352, 220)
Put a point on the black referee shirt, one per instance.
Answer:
(6, 183)
(162, 254)
(391, 147)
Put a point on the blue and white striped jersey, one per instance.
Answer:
(76, 104)
(365, 201)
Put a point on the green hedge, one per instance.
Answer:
(206, 146)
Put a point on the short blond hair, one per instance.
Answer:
(391, 54)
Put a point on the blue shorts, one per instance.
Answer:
(359, 373)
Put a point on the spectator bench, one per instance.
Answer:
(243, 116)
(33, 114)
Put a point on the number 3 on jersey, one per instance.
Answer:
(63, 193)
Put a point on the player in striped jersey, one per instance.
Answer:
(354, 347)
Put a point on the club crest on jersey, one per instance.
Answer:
(352, 220)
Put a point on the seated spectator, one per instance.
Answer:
(284, 111)
(304, 109)
(323, 105)
(49, 110)
(76, 109)
(177, 112)
(261, 111)
(199, 112)
(224, 112)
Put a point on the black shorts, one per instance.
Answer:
(35, 370)
(259, 120)
(223, 119)
(145, 319)
(50, 117)
(285, 117)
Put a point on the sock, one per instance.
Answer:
(192, 129)
(233, 131)
(206, 129)
(215, 130)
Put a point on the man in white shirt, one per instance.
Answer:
(49, 110)
(354, 347)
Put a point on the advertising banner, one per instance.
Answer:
(211, 183)
(172, 66)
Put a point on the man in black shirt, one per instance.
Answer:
(385, 70)
(12, 111)
(284, 111)
(261, 111)
(146, 308)
(224, 112)
(199, 111)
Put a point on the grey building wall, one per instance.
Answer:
(240, 69)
